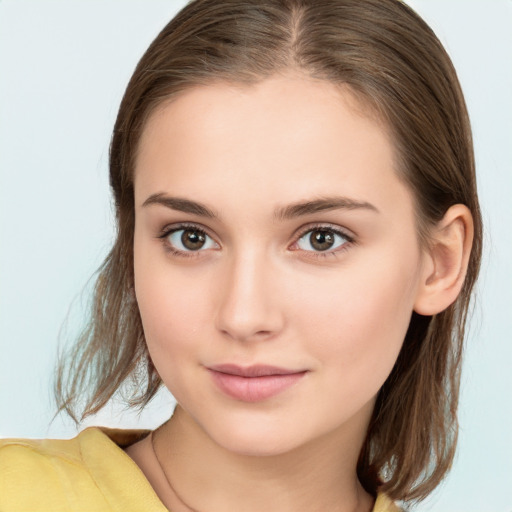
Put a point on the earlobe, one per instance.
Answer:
(446, 261)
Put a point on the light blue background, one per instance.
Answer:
(63, 68)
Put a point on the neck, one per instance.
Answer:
(202, 476)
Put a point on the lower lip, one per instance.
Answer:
(254, 389)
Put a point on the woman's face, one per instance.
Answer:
(276, 260)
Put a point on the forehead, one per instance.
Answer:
(285, 105)
(295, 135)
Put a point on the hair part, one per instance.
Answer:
(392, 61)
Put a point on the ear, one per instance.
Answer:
(446, 261)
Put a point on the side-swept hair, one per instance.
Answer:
(384, 53)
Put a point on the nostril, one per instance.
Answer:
(241, 335)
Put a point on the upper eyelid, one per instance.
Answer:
(299, 233)
(177, 226)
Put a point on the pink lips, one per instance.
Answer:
(253, 383)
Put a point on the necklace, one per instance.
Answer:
(178, 497)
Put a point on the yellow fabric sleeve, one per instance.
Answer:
(89, 473)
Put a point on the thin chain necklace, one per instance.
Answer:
(178, 497)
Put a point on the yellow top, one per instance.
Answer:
(89, 473)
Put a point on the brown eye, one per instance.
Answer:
(322, 240)
(190, 239)
(193, 239)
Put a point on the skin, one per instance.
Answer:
(259, 293)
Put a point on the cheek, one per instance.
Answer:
(358, 323)
(172, 322)
(174, 308)
(170, 311)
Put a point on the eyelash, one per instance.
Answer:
(167, 231)
(350, 240)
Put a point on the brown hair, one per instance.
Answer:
(392, 60)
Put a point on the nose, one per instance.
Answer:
(249, 306)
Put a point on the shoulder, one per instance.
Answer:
(38, 454)
(45, 474)
(87, 473)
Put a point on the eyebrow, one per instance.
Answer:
(321, 205)
(285, 213)
(180, 204)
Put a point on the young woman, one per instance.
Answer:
(298, 238)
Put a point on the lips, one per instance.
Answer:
(253, 383)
